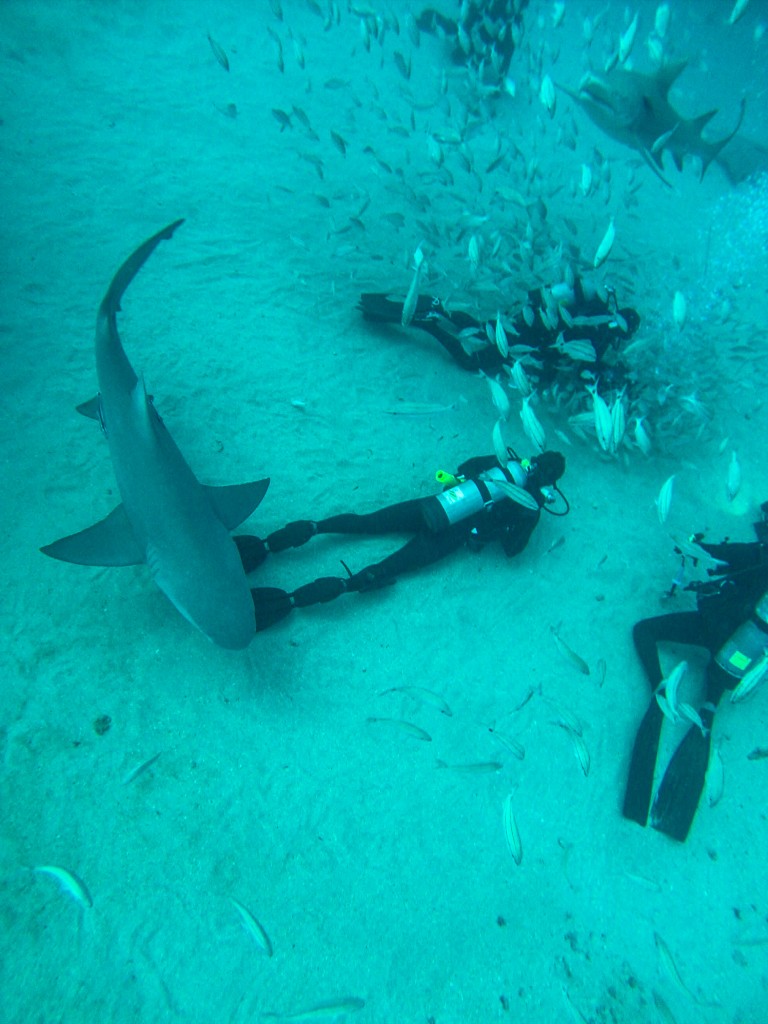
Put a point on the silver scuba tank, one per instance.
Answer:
(471, 496)
(747, 643)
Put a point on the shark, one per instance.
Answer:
(167, 519)
(633, 108)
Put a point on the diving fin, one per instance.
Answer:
(637, 796)
(680, 791)
(270, 605)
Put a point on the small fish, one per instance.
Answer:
(547, 95)
(511, 831)
(585, 184)
(330, 1009)
(580, 750)
(758, 754)
(627, 39)
(604, 249)
(600, 669)
(734, 478)
(70, 883)
(569, 655)
(670, 685)
(618, 424)
(738, 9)
(517, 494)
(502, 343)
(669, 965)
(140, 769)
(412, 298)
(474, 768)
(664, 499)
(602, 418)
(254, 928)
(642, 440)
(690, 714)
(402, 65)
(473, 252)
(499, 397)
(499, 444)
(421, 694)
(512, 745)
(715, 778)
(283, 119)
(531, 424)
(406, 727)
(520, 378)
(754, 675)
(664, 138)
(339, 143)
(661, 21)
(218, 53)
(581, 350)
(679, 310)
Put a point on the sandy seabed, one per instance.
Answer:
(377, 875)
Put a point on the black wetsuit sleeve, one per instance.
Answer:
(478, 464)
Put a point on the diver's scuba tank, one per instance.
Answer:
(467, 497)
(747, 644)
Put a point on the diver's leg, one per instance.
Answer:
(679, 627)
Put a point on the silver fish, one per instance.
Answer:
(511, 831)
(412, 298)
(531, 425)
(664, 499)
(734, 477)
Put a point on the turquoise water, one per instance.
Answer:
(385, 884)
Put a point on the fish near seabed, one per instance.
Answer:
(634, 109)
(167, 518)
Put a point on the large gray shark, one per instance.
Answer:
(167, 518)
(634, 109)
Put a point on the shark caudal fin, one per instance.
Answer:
(131, 267)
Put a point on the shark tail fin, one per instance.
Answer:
(713, 148)
(111, 301)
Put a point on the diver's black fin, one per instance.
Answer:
(680, 791)
(637, 797)
(270, 605)
(379, 308)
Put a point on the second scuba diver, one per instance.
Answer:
(483, 502)
(731, 623)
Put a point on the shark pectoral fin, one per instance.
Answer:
(235, 502)
(91, 408)
(715, 147)
(108, 542)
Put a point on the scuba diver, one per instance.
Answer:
(731, 623)
(483, 502)
(561, 334)
(483, 35)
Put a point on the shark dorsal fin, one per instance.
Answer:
(666, 76)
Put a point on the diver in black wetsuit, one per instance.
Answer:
(483, 502)
(731, 622)
(556, 326)
(482, 34)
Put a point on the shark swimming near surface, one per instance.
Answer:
(167, 518)
(634, 109)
